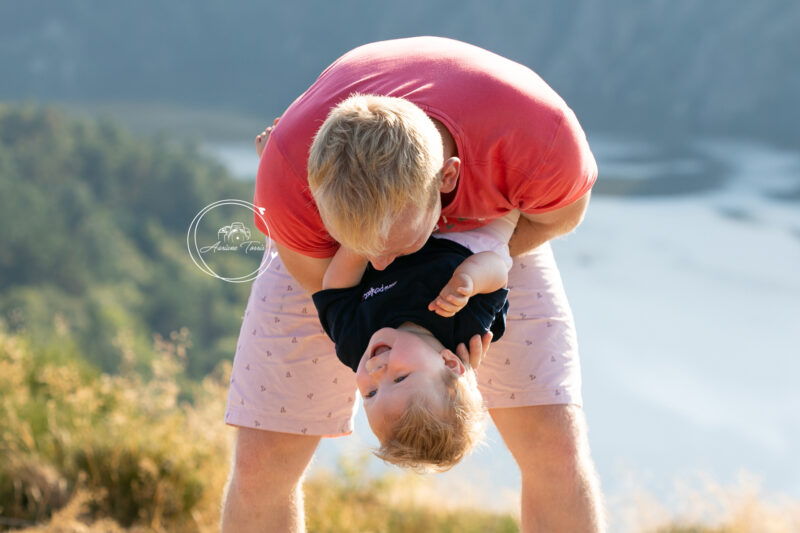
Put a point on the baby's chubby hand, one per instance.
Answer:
(454, 296)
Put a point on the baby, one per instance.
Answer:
(404, 337)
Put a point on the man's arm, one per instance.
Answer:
(308, 271)
(480, 273)
(535, 230)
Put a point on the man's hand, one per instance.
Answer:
(454, 296)
(478, 346)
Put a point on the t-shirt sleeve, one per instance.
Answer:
(288, 213)
(337, 310)
(566, 172)
(485, 312)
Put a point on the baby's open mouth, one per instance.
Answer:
(379, 349)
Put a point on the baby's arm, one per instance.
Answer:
(479, 273)
(345, 270)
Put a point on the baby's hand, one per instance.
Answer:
(453, 297)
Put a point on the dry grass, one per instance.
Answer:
(699, 504)
(128, 446)
(352, 500)
(82, 451)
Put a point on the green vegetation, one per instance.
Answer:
(94, 227)
(114, 347)
(127, 447)
(85, 451)
(123, 451)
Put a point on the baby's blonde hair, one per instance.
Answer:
(373, 157)
(426, 442)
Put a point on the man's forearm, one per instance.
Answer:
(534, 230)
(308, 271)
(527, 236)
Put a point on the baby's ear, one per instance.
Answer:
(453, 362)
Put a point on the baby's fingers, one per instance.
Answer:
(455, 299)
(442, 307)
(447, 302)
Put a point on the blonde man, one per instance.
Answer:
(503, 140)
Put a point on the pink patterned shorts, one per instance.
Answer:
(286, 376)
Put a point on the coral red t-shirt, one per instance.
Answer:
(520, 145)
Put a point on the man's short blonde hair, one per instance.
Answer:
(427, 442)
(373, 157)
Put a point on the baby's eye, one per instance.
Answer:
(401, 378)
(370, 394)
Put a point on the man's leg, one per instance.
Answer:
(560, 488)
(264, 491)
(287, 389)
(531, 382)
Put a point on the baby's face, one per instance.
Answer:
(400, 364)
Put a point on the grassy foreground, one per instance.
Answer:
(85, 451)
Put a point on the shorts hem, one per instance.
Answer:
(242, 418)
(556, 396)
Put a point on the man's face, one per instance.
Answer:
(408, 234)
(399, 364)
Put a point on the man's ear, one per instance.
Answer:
(450, 172)
(453, 362)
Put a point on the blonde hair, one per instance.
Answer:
(373, 157)
(427, 442)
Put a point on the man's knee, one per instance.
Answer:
(552, 436)
(270, 458)
(560, 488)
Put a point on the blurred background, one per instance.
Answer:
(120, 121)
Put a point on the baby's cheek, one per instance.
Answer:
(377, 423)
